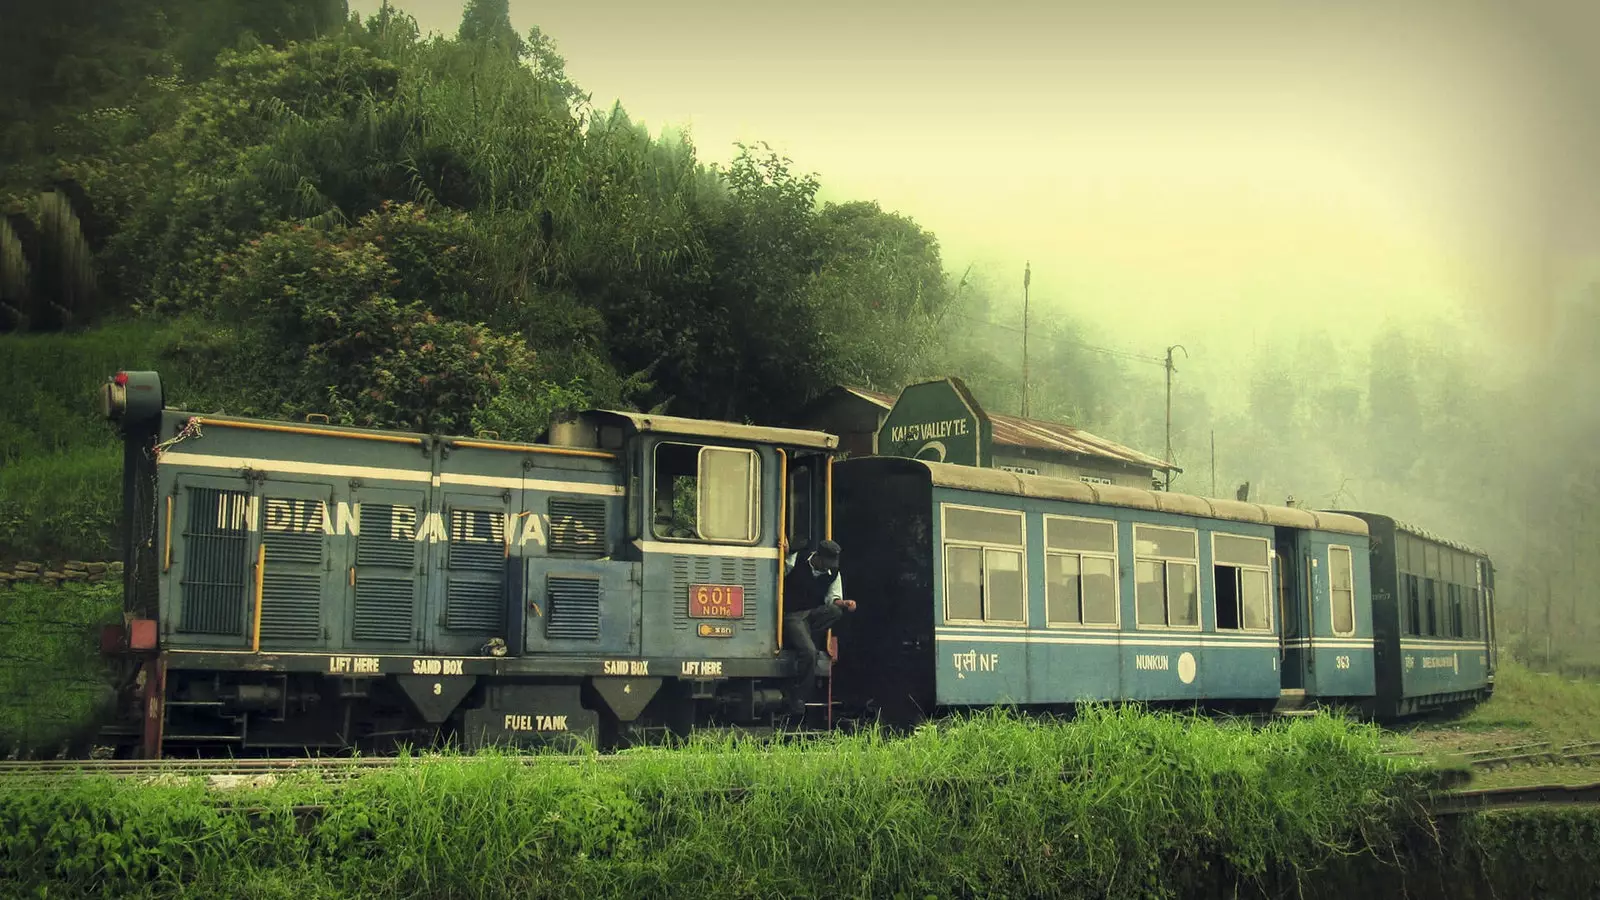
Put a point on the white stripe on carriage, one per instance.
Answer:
(689, 548)
(1251, 638)
(1107, 640)
(1460, 644)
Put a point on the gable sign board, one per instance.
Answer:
(938, 421)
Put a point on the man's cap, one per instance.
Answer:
(828, 554)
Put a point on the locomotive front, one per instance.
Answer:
(312, 586)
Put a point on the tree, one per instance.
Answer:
(488, 23)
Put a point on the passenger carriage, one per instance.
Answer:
(317, 586)
(1433, 603)
(983, 587)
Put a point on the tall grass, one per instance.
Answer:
(1116, 803)
(53, 684)
(1539, 702)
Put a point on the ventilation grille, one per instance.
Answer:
(477, 539)
(578, 526)
(292, 531)
(687, 570)
(216, 570)
(474, 606)
(475, 599)
(384, 608)
(388, 536)
(574, 608)
(291, 605)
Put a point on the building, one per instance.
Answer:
(942, 420)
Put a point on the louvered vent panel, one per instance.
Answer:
(686, 570)
(747, 576)
(474, 605)
(477, 539)
(578, 526)
(388, 536)
(216, 563)
(293, 533)
(574, 608)
(291, 605)
(384, 608)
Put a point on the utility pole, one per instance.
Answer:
(1213, 462)
(1169, 407)
(1027, 277)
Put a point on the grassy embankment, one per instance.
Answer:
(1117, 803)
(1527, 707)
(60, 463)
(53, 684)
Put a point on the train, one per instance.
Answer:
(309, 587)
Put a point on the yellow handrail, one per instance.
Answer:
(261, 571)
(166, 553)
(300, 429)
(534, 448)
(783, 535)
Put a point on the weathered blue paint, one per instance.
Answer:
(1337, 665)
(491, 506)
(1442, 666)
(667, 627)
(1035, 663)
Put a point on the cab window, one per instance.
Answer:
(706, 493)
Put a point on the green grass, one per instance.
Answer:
(1549, 706)
(1116, 803)
(52, 681)
(62, 506)
(60, 462)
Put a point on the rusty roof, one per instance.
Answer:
(1033, 434)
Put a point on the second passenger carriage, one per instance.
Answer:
(988, 587)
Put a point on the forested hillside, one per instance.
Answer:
(344, 217)
(287, 209)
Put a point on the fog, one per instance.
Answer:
(1371, 226)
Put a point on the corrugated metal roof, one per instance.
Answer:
(1033, 434)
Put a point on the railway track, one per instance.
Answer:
(1542, 751)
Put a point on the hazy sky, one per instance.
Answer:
(1203, 173)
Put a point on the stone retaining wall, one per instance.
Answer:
(53, 574)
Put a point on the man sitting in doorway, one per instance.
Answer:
(813, 600)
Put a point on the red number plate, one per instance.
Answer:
(716, 601)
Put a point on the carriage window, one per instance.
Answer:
(1166, 574)
(1413, 607)
(1430, 608)
(1080, 572)
(707, 493)
(984, 574)
(1239, 582)
(1342, 590)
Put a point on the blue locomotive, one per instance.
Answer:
(311, 586)
(307, 586)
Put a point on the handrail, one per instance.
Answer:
(783, 535)
(301, 429)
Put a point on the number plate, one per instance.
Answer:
(716, 601)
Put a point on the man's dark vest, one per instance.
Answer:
(802, 589)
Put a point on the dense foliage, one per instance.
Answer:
(316, 195)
